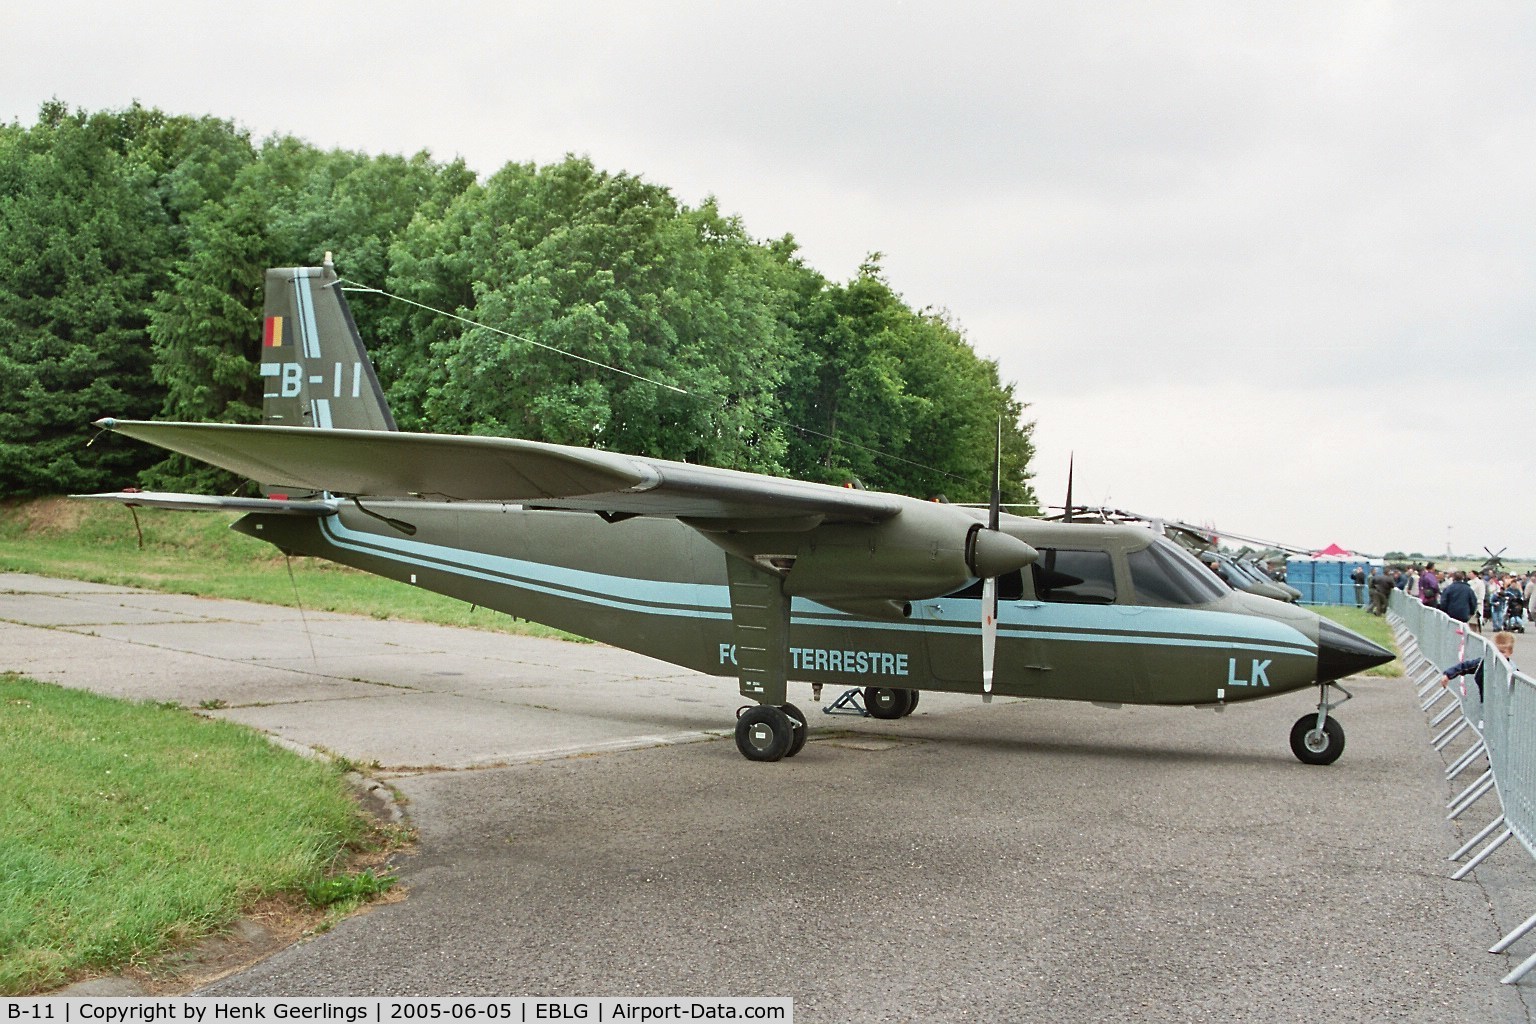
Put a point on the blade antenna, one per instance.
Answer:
(1071, 459)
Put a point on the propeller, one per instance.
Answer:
(989, 583)
(989, 553)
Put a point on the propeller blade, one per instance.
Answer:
(989, 585)
(988, 633)
(997, 481)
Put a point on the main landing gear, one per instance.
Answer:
(768, 733)
(889, 702)
(1316, 738)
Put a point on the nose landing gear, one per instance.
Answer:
(1316, 738)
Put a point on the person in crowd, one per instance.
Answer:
(1480, 595)
(1496, 603)
(1358, 576)
(1458, 601)
(1514, 599)
(1429, 585)
(1505, 642)
(1381, 590)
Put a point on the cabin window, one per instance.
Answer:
(1010, 587)
(1067, 576)
(1164, 575)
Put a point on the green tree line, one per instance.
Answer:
(132, 248)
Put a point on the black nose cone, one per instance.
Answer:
(1341, 652)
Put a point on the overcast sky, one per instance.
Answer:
(1270, 266)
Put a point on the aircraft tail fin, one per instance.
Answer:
(315, 371)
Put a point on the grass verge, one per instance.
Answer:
(1372, 627)
(131, 829)
(196, 553)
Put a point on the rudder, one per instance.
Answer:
(315, 371)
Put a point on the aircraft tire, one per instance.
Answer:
(801, 726)
(763, 733)
(912, 704)
(1313, 747)
(886, 702)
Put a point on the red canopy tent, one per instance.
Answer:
(1332, 551)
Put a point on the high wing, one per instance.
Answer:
(376, 463)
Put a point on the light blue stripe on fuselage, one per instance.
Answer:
(624, 593)
(1171, 627)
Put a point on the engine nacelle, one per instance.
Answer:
(927, 550)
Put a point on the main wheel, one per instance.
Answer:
(763, 733)
(887, 702)
(1312, 745)
(801, 727)
(911, 707)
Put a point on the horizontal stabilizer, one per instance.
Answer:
(207, 503)
(462, 468)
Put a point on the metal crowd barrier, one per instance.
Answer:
(1502, 726)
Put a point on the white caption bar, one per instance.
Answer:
(214, 1010)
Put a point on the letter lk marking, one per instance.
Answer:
(1257, 674)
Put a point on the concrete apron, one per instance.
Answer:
(587, 827)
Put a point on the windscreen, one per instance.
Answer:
(1165, 574)
(1258, 574)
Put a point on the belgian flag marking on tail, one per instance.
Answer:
(272, 335)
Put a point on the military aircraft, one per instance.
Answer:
(1495, 560)
(739, 574)
(1248, 577)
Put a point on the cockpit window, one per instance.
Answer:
(1164, 575)
(1254, 572)
(1066, 576)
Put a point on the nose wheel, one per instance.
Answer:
(1316, 738)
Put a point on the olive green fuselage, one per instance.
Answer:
(659, 587)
